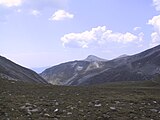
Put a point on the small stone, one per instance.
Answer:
(55, 118)
(154, 110)
(155, 102)
(64, 111)
(90, 104)
(131, 103)
(98, 105)
(69, 113)
(81, 110)
(97, 101)
(56, 110)
(34, 110)
(106, 116)
(79, 102)
(29, 113)
(28, 104)
(6, 114)
(46, 115)
(56, 103)
(112, 108)
(117, 102)
(72, 108)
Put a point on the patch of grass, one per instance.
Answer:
(118, 101)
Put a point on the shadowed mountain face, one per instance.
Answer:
(12, 71)
(139, 67)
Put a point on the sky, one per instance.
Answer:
(40, 33)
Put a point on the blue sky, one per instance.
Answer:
(38, 33)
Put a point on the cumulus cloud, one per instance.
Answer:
(61, 15)
(98, 36)
(35, 12)
(156, 3)
(155, 22)
(11, 3)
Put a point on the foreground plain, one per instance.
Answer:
(118, 101)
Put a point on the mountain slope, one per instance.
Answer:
(11, 71)
(139, 67)
(67, 73)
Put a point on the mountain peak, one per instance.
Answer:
(123, 56)
(92, 58)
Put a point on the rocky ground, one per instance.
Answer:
(127, 101)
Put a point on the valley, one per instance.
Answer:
(125, 88)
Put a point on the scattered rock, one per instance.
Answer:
(56, 103)
(81, 110)
(154, 110)
(56, 110)
(29, 108)
(155, 102)
(69, 113)
(117, 102)
(98, 105)
(55, 118)
(34, 110)
(46, 115)
(112, 108)
(90, 104)
(106, 116)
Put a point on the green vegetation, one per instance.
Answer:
(119, 101)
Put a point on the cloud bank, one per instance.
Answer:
(98, 36)
(11, 3)
(156, 3)
(155, 22)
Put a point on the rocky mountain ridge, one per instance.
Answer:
(139, 67)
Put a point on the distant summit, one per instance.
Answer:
(93, 58)
(123, 56)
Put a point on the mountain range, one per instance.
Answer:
(90, 71)
(94, 70)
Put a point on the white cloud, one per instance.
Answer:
(156, 3)
(35, 12)
(19, 10)
(155, 22)
(136, 28)
(61, 15)
(10, 3)
(155, 39)
(98, 36)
